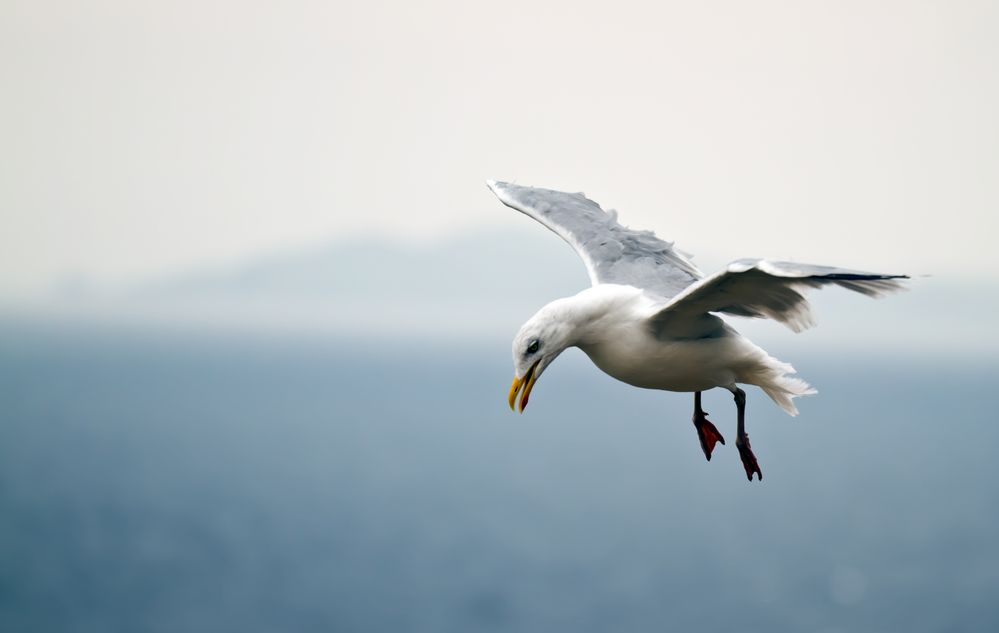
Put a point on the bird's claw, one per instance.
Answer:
(707, 433)
(748, 458)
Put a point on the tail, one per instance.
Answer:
(773, 377)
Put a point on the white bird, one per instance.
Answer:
(649, 317)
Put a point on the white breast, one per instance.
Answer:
(619, 342)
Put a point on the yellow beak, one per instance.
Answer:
(524, 384)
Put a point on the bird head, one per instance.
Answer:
(539, 341)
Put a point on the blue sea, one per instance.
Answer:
(172, 482)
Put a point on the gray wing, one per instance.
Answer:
(763, 289)
(613, 254)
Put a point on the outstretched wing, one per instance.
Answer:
(764, 289)
(613, 254)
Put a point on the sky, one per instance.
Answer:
(145, 139)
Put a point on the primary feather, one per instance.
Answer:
(762, 288)
(612, 253)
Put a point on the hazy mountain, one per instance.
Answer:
(486, 284)
(465, 285)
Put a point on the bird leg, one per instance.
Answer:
(706, 432)
(741, 439)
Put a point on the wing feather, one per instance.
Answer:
(763, 289)
(612, 253)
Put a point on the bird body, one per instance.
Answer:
(611, 324)
(651, 318)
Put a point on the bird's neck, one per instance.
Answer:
(596, 313)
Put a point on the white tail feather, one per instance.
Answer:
(773, 377)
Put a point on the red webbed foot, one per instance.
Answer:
(748, 458)
(707, 432)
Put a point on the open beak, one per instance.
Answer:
(524, 384)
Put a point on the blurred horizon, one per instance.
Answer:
(462, 288)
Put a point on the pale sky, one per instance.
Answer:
(138, 139)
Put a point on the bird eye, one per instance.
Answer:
(533, 347)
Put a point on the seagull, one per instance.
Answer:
(650, 318)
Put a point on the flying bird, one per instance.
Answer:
(650, 317)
